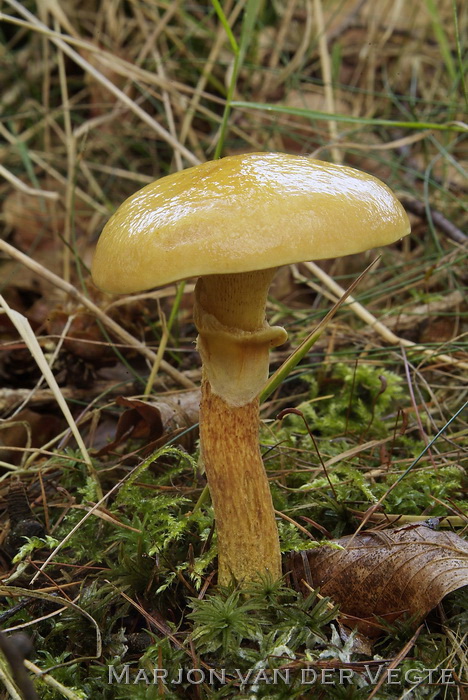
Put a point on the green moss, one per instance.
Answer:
(361, 396)
(422, 490)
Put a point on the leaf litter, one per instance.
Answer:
(380, 576)
(164, 110)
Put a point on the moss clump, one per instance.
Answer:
(361, 398)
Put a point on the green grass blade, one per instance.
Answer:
(288, 365)
(224, 21)
(444, 45)
(347, 118)
(461, 65)
(248, 24)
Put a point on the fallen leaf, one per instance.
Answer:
(84, 337)
(37, 221)
(150, 420)
(27, 430)
(384, 574)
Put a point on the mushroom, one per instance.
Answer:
(231, 223)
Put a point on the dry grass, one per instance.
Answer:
(100, 98)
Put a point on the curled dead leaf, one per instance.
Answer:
(151, 420)
(384, 574)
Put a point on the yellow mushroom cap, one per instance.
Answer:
(243, 213)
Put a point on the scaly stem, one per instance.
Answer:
(245, 521)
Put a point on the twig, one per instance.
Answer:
(439, 220)
(50, 681)
(10, 686)
(399, 519)
(14, 649)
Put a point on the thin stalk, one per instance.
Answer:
(166, 331)
(239, 51)
(325, 116)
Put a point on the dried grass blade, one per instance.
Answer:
(23, 327)
(36, 25)
(377, 325)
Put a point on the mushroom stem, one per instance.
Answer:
(245, 521)
(234, 342)
(234, 338)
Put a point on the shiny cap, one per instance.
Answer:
(243, 213)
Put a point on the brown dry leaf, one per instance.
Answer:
(84, 337)
(151, 420)
(27, 430)
(385, 574)
(38, 221)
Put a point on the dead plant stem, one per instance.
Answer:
(377, 325)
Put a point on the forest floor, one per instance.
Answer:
(108, 547)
